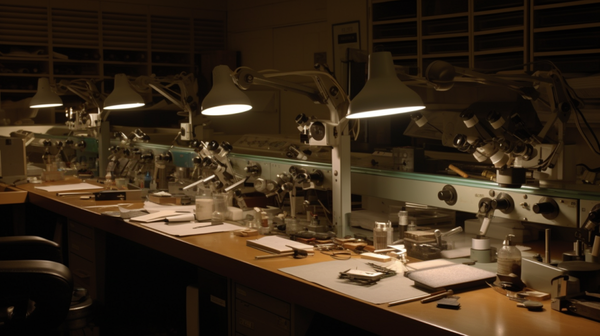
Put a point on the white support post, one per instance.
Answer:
(341, 186)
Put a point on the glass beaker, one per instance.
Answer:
(219, 207)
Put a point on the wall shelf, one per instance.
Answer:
(69, 40)
(488, 34)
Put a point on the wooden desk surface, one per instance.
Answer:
(483, 311)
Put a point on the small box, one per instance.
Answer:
(118, 195)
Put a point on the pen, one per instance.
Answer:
(438, 296)
(416, 298)
(282, 254)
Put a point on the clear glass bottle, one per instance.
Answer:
(509, 258)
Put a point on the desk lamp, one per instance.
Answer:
(125, 95)
(382, 83)
(47, 95)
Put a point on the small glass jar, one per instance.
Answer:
(219, 207)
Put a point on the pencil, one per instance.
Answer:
(416, 298)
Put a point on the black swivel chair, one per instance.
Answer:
(36, 289)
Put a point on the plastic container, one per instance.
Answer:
(204, 204)
(509, 258)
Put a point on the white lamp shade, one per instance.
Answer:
(123, 95)
(224, 98)
(384, 93)
(44, 97)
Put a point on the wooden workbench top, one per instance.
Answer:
(483, 311)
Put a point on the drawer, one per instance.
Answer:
(82, 271)
(253, 321)
(263, 301)
(81, 246)
(83, 230)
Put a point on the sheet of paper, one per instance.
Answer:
(69, 187)
(153, 207)
(277, 244)
(327, 274)
(187, 229)
(155, 216)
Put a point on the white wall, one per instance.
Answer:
(284, 35)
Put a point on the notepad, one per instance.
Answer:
(277, 244)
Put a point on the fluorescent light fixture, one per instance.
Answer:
(44, 97)
(224, 98)
(384, 93)
(123, 95)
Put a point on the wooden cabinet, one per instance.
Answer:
(96, 40)
(488, 34)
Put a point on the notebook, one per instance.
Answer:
(450, 276)
(277, 244)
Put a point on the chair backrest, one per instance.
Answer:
(35, 283)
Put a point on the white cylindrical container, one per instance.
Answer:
(379, 236)
(402, 223)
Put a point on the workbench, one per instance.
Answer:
(483, 311)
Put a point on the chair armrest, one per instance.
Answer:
(46, 283)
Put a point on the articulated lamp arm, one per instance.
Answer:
(327, 90)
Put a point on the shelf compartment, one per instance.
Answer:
(170, 33)
(110, 70)
(124, 31)
(575, 15)
(75, 28)
(395, 30)
(459, 61)
(171, 58)
(553, 2)
(574, 64)
(499, 41)
(18, 83)
(394, 10)
(513, 60)
(23, 24)
(444, 7)
(127, 56)
(446, 45)
(487, 5)
(79, 54)
(445, 26)
(569, 39)
(498, 21)
(23, 67)
(209, 35)
(162, 70)
(398, 48)
(76, 69)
